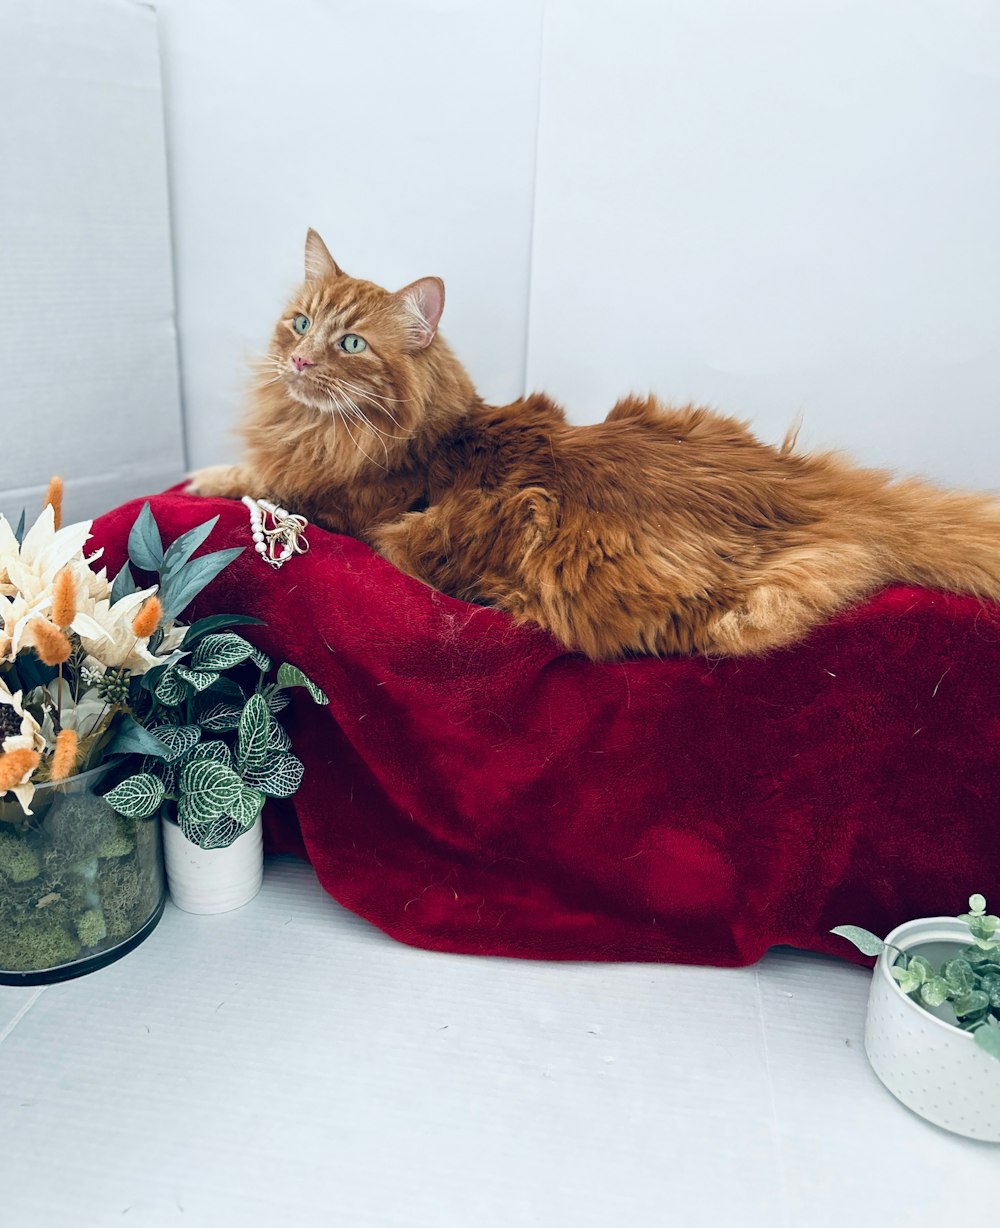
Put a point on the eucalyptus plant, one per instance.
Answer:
(205, 721)
(969, 982)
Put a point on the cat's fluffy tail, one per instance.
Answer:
(941, 538)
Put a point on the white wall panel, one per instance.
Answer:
(403, 130)
(88, 360)
(777, 207)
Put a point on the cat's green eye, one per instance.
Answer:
(301, 324)
(353, 344)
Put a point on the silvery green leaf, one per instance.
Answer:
(971, 1003)
(908, 982)
(136, 797)
(197, 679)
(977, 903)
(212, 749)
(181, 548)
(255, 724)
(291, 675)
(171, 689)
(220, 717)
(133, 739)
(934, 991)
(920, 968)
(988, 1039)
(866, 942)
(958, 974)
(280, 777)
(221, 650)
(178, 740)
(124, 584)
(209, 788)
(990, 985)
(186, 584)
(145, 547)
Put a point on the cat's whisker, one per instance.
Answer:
(382, 405)
(361, 418)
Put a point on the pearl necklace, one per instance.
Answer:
(285, 537)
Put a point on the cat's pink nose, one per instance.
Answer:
(301, 363)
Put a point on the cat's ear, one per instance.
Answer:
(421, 303)
(320, 265)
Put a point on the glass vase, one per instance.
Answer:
(80, 885)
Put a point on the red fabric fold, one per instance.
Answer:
(473, 787)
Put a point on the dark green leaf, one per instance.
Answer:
(133, 739)
(124, 584)
(191, 579)
(217, 622)
(19, 531)
(145, 547)
(277, 701)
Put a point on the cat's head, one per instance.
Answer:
(349, 347)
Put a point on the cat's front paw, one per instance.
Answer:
(217, 482)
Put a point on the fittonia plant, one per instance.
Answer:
(205, 721)
(969, 982)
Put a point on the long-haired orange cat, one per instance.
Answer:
(658, 530)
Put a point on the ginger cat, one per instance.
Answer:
(659, 530)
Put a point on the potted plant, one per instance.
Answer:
(114, 713)
(933, 1028)
(208, 729)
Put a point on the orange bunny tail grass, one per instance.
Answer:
(14, 766)
(64, 755)
(64, 599)
(52, 646)
(148, 618)
(54, 495)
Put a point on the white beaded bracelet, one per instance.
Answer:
(285, 536)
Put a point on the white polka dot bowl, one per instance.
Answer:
(933, 1067)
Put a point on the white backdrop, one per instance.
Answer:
(403, 131)
(777, 207)
(88, 354)
(773, 207)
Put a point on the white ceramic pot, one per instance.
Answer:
(933, 1067)
(213, 880)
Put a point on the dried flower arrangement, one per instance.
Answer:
(96, 673)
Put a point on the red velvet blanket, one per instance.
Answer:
(472, 787)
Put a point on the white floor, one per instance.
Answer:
(287, 1064)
